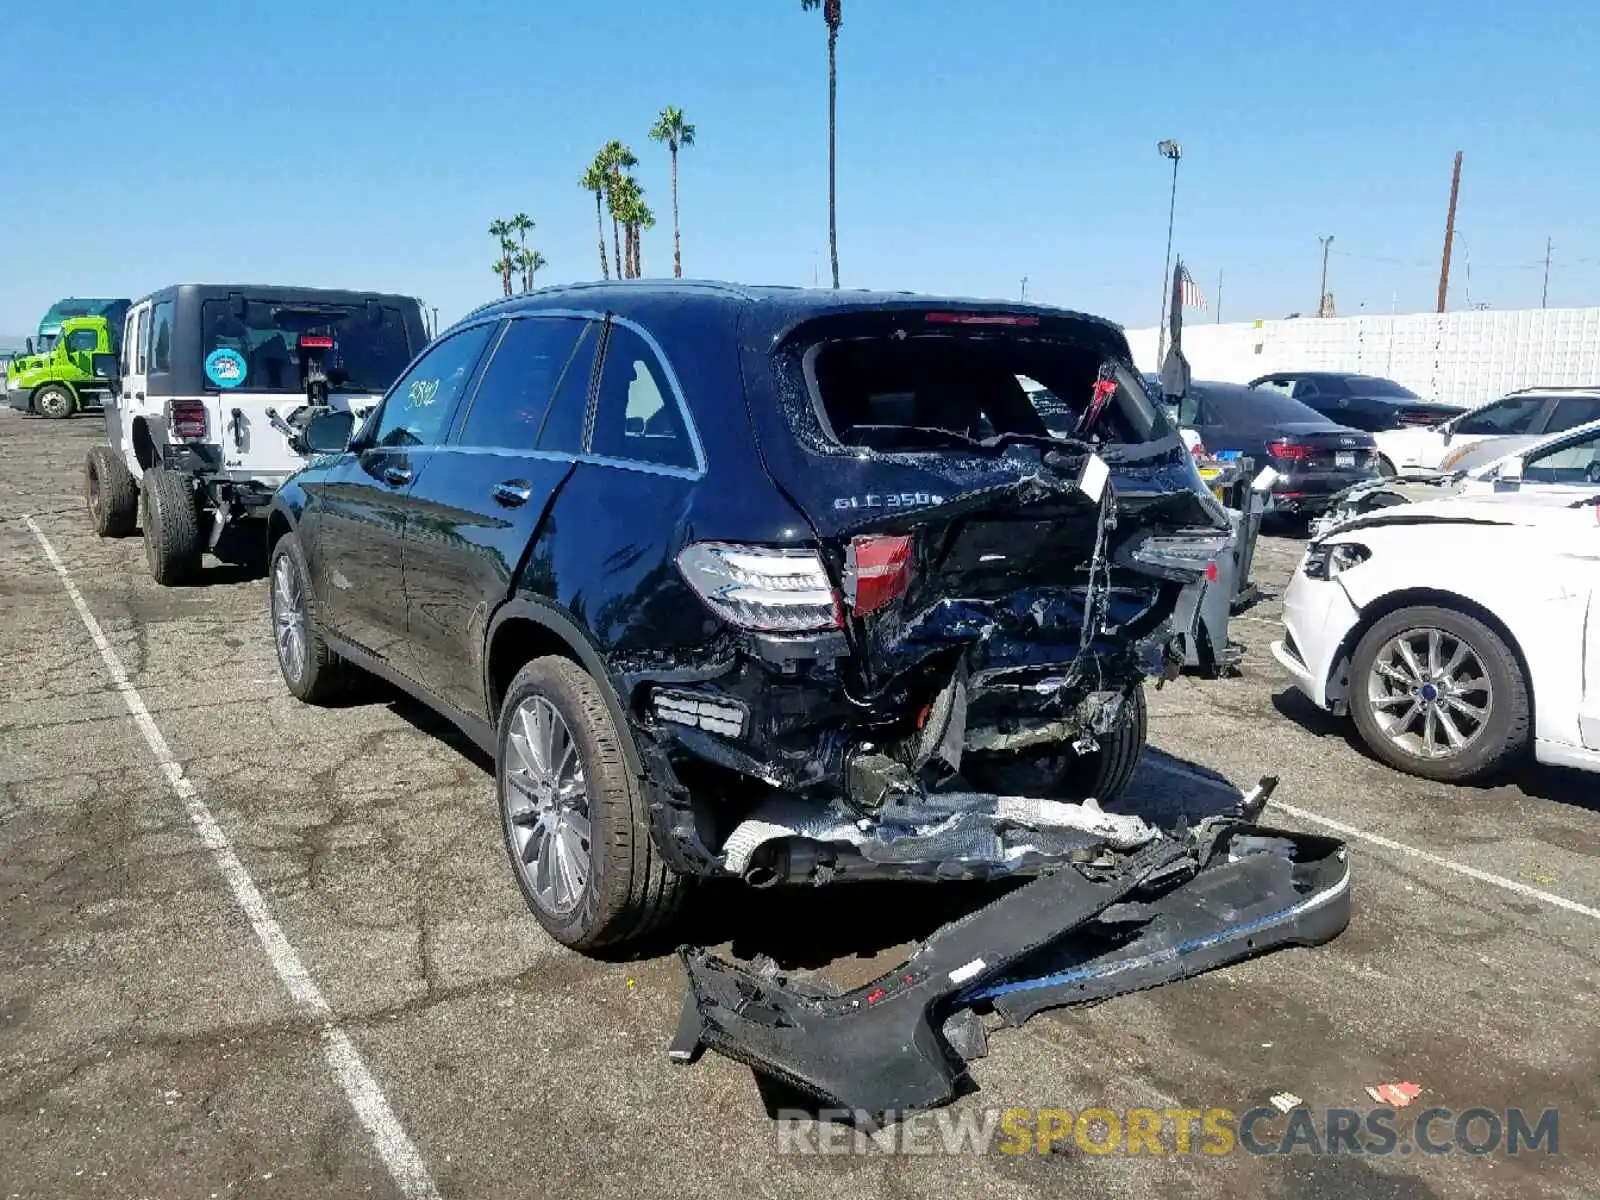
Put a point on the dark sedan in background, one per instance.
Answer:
(1358, 401)
(1313, 456)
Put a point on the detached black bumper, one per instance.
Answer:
(1174, 908)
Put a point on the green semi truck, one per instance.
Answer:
(73, 374)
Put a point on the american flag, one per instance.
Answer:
(1193, 297)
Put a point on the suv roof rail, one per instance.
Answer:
(1581, 388)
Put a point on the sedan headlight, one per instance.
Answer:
(1326, 562)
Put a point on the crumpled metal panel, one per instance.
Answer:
(954, 827)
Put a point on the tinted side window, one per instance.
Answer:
(1306, 389)
(510, 404)
(1572, 411)
(82, 341)
(417, 412)
(130, 339)
(142, 343)
(563, 423)
(637, 416)
(161, 339)
(1577, 461)
(1512, 415)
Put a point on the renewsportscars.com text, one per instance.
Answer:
(1163, 1131)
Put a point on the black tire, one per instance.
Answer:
(629, 891)
(316, 675)
(1492, 746)
(111, 493)
(1385, 467)
(1103, 773)
(171, 522)
(55, 402)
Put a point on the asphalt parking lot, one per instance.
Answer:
(149, 1045)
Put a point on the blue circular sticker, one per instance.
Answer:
(225, 368)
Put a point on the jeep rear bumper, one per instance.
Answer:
(1176, 907)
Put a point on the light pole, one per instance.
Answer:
(1169, 149)
(1322, 291)
(1024, 295)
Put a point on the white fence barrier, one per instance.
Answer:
(1459, 358)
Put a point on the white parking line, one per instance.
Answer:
(1377, 839)
(371, 1107)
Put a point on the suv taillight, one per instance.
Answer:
(877, 569)
(186, 420)
(761, 588)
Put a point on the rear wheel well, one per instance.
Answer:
(517, 642)
(1416, 598)
(144, 446)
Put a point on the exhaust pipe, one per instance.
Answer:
(791, 860)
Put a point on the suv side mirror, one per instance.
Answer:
(1510, 470)
(104, 366)
(329, 432)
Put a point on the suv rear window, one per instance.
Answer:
(370, 347)
(925, 384)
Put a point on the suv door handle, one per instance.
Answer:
(396, 476)
(512, 492)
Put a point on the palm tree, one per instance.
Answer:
(617, 159)
(671, 128)
(594, 180)
(522, 225)
(529, 262)
(643, 219)
(501, 229)
(833, 15)
(635, 216)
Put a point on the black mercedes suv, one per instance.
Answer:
(785, 584)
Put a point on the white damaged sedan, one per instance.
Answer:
(1456, 633)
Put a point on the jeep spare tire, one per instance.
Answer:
(54, 401)
(111, 493)
(171, 524)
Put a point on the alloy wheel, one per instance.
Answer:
(546, 806)
(1429, 693)
(289, 617)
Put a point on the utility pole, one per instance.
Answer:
(1544, 299)
(1322, 290)
(436, 321)
(1024, 295)
(1219, 295)
(1449, 233)
(1169, 149)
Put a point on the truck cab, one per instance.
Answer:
(74, 373)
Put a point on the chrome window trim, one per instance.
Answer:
(698, 471)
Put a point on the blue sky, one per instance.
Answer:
(369, 145)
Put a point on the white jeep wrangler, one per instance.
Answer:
(216, 383)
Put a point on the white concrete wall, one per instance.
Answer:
(1460, 358)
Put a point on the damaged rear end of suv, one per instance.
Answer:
(944, 679)
(800, 588)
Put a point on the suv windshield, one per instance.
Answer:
(1510, 416)
(370, 348)
(928, 391)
